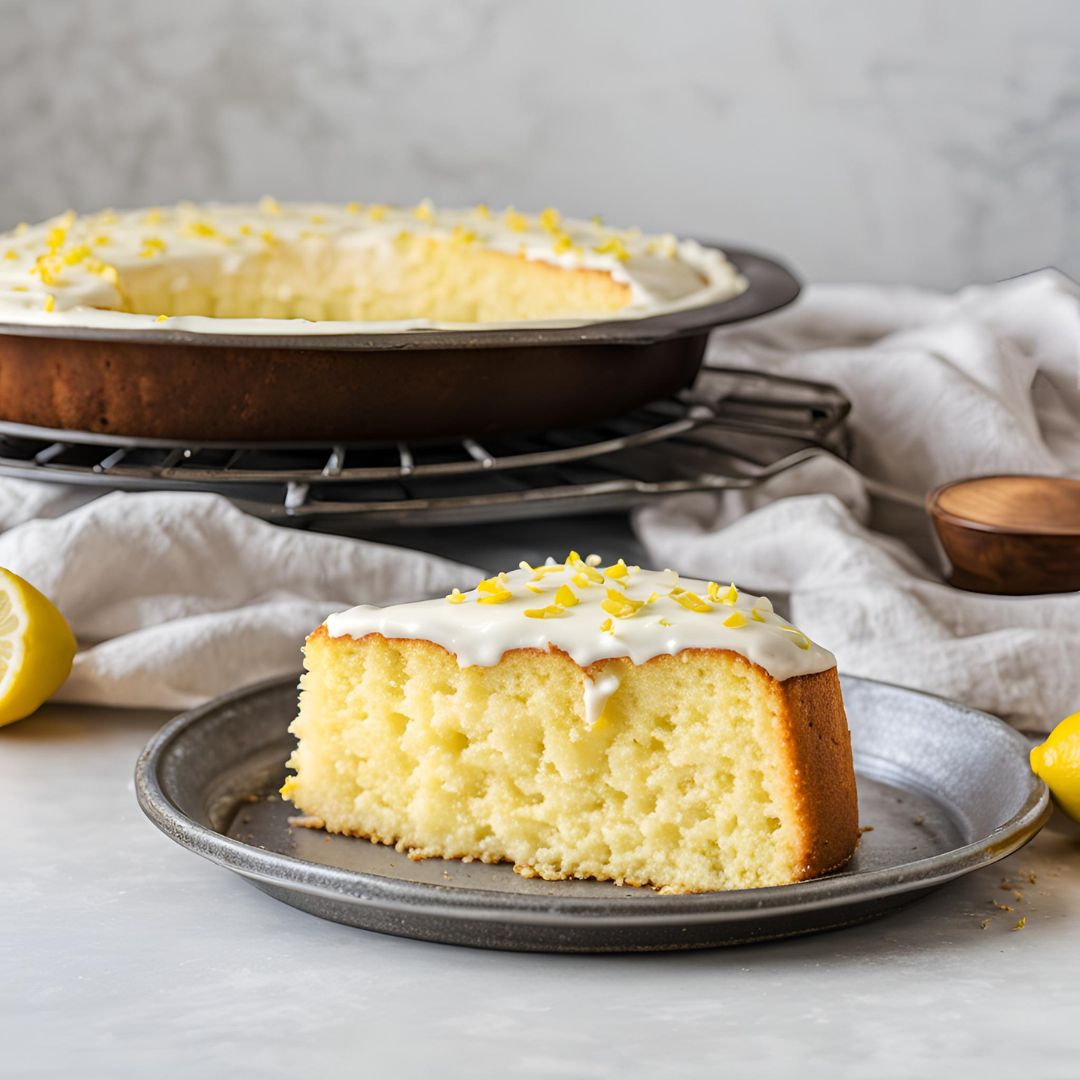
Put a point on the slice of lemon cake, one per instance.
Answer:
(582, 721)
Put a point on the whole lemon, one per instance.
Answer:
(1057, 761)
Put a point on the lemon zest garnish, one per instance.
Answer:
(269, 205)
(689, 600)
(201, 228)
(735, 620)
(616, 570)
(317, 219)
(494, 592)
(550, 219)
(352, 207)
(424, 210)
(456, 596)
(541, 571)
(756, 615)
(377, 212)
(11, 253)
(461, 235)
(665, 622)
(607, 627)
(50, 303)
(621, 606)
(552, 611)
(535, 588)
(482, 210)
(514, 221)
(565, 596)
(161, 318)
(613, 246)
(564, 243)
(268, 238)
(801, 639)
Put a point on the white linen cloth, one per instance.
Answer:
(942, 387)
(177, 597)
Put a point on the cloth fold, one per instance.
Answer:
(942, 388)
(176, 598)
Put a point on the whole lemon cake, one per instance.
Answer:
(257, 269)
(581, 721)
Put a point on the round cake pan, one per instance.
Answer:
(171, 384)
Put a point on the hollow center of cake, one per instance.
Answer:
(407, 279)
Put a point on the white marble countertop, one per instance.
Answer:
(124, 955)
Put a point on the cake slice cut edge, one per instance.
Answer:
(700, 772)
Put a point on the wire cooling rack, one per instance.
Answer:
(734, 429)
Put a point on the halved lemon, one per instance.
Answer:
(36, 648)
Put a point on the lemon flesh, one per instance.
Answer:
(36, 648)
(1057, 762)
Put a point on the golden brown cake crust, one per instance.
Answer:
(821, 776)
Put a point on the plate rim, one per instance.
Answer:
(452, 902)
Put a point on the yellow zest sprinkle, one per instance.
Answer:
(735, 620)
(616, 570)
(542, 571)
(456, 597)
(730, 595)
(162, 318)
(245, 230)
(756, 615)
(11, 253)
(552, 611)
(581, 581)
(317, 219)
(50, 303)
(565, 596)
(550, 219)
(424, 211)
(535, 588)
(690, 601)
(200, 228)
(613, 246)
(267, 237)
(461, 235)
(607, 627)
(483, 211)
(269, 205)
(76, 254)
(597, 220)
(19, 288)
(583, 569)
(21, 228)
(515, 221)
(494, 592)
(152, 217)
(352, 207)
(652, 598)
(622, 607)
(800, 638)
(55, 238)
(665, 622)
(564, 242)
(101, 240)
(377, 212)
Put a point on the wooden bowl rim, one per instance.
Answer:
(939, 514)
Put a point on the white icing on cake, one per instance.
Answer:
(66, 271)
(661, 613)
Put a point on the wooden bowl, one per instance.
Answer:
(1014, 535)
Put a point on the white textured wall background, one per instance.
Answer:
(923, 141)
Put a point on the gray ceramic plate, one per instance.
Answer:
(943, 789)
